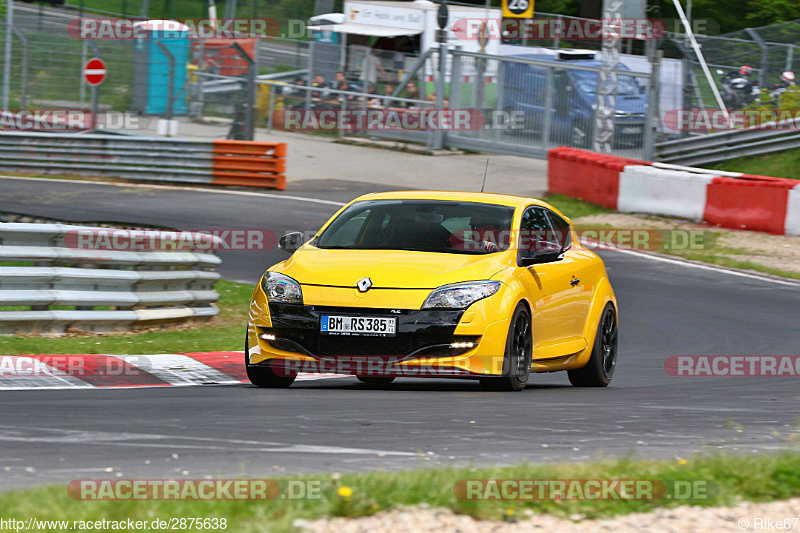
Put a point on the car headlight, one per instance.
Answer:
(460, 295)
(281, 289)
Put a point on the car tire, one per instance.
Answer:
(262, 375)
(375, 380)
(600, 368)
(517, 359)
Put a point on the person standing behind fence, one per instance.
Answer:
(295, 98)
(388, 101)
(412, 93)
(372, 66)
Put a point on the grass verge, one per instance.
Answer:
(573, 207)
(727, 479)
(224, 332)
(784, 164)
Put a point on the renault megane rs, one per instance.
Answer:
(436, 284)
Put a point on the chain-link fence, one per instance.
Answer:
(768, 51)
(46, 70)
(521, 106)
(533, 103)
(526, 99)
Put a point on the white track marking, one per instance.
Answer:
(180, 188)
(178, 369)
(703, 266)
(52, 435)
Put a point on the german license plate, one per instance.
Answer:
(628, 131)
(358, 325)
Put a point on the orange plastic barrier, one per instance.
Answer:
(249, 164)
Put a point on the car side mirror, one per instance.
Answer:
(539, 257)
(291, 241)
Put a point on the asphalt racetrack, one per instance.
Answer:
(666, 308)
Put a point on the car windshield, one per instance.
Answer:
(586, 82)
(420, 225)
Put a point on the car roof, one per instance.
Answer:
(479, 197)
(565, 62)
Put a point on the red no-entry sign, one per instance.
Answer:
(94, 71)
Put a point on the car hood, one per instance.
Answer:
(389, 268)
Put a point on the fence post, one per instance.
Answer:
(271, 106)
(310, 76)
(437, 135)
(84, 56)
(250, 107)
(548, 106)
(342, 111)
(652, 117)
(764, 70)
(7, 52)
(455, 79)
(499, 85)
(24, 80)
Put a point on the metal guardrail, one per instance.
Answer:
(720, 146)
(139, 288)
(219, 162)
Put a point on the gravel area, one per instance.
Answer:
(679, 519)
(781, 252)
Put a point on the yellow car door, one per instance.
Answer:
(553, 289)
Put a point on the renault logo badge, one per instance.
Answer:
(364, 284)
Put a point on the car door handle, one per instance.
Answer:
(574, 281)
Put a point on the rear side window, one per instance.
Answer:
(536, 232)
(563, 232)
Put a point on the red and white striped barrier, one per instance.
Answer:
(19, 372)
(727, 199)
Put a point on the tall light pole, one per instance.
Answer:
(7, 52)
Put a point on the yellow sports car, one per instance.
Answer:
(436, 284)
